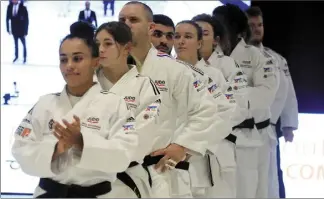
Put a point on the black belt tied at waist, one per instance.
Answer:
(263, 124)
(57, 190)
(246, 124)
(148, 161)
(128, 181)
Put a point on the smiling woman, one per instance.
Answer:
(65, 129)
(78, 58)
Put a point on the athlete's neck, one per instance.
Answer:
(140, 52)
(114, 73)
(206, 55)
(255, 43)
(80, 90)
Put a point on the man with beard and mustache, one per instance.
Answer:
(285, 105)
(162, 37)
(252, 161)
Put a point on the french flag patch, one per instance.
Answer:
(162, 54)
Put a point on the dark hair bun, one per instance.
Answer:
(82, 29)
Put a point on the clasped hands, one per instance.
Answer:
(69, 136)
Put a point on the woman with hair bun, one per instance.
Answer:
(77, 140)
(142, 97)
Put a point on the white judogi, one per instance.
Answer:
(247, 138)
(289, 114)
(223, 163)
(280, 103)
(263, 82)
(202, 168)
(142, 96)
(175, 83)
(109, 136)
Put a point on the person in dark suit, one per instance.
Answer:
(88, 15)
(17, 14)
(112, 6)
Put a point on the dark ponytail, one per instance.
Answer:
(84, 31)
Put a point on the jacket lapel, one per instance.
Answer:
(149, 61)
(65, 109)
(126, 78)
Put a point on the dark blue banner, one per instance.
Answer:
(239, 3)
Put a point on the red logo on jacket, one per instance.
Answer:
(93, 120)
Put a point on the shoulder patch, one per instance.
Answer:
(104, 91)
(247, 46)
(220, 55)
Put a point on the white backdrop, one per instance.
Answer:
(303, 160)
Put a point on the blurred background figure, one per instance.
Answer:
(111, 6)
(88, 15)
(17, 14)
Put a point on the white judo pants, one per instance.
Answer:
(252, 158)
(223, 169)
(180, 185)
(273, 187)
(264, 162)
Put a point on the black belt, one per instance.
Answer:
(152, 160)
(210, 171)
(263, 124)
(128, 181)
(232, 138)
(57, 190)
(148, 161)
(246, 124)
(273, 124)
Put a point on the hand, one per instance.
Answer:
(62, 147)
(70, 135)
(288, 134)
(174, 152)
